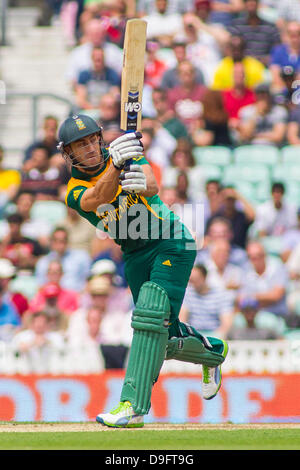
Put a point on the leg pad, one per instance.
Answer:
(150, 322)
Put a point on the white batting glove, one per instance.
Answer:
(124, 148)
(134, 180)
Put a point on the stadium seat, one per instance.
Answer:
(290, 154)
(292, 193)
(269, 320)
(213, 155)
(256, 154)
(263, 319)
(26, 284)
(286, 173)
(292, 334)
(254, 173)
(272, 245)
(50, 211)
(211, 172)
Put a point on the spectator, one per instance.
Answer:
(67, 301)
(147, 7)
(287, 11)
(225, 11)
(115, 324)
(80, 57)
(162, 141)
(221, 274)
(17, 299)
(188, 211)
(186, 99)
(110, 132)
(205, 41)
(266, 280)
(39, 177)
(237, 97)
(10, 315)
(221, 229)
(290, 239)
(114, 18)
(154, 66)
(32, 228)
(166, 117)
(94, 82)
(288, 95)
(182, 161)
(162, 25)
(170, 77)
(81, 234)
(275, 216)
(239, 212)
(293, 125)
(48, 138)
(207, 309)
(22, 251)
(212, 199)
(37, 346)
(10, 181)
(293, 267)
(250, 328)
(213, 127)
(148, 135)
(76, 263)
(85, 346)
(285, 54)
(260, 35)
(113, 253)
(109, 110)
(263, 122)
(235, 53)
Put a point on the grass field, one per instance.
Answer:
(91, 436)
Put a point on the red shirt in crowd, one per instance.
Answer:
(234, 102)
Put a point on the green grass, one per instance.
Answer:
(241, 439)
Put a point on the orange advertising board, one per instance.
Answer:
(243, 398)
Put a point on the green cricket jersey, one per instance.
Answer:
(131, 220)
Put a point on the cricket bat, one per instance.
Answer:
(132, 79)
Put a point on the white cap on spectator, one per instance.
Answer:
(7, 269)
(103, 266)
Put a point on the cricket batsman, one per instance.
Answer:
(115, 190)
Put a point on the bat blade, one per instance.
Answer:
(132, 81)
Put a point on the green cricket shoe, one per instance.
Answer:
(212, 377)
(123, 416)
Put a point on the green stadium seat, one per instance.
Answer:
(50, 211)
(212, 155)
(26, 284)
(292, 193)
(268, 320)
(290, 154)
(254, 154)
(272, 245)
(211, 172)
(255, 174)
(292, 334)
(286, 173)
(263, 319)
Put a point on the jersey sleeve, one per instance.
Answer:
(140, 161)
(74, 196)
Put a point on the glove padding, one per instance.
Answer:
(133, 179)
(125, 147)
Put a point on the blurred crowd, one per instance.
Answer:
(219, 75)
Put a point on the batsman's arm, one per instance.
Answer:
(103, 192)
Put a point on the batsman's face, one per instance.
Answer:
(86, 153)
